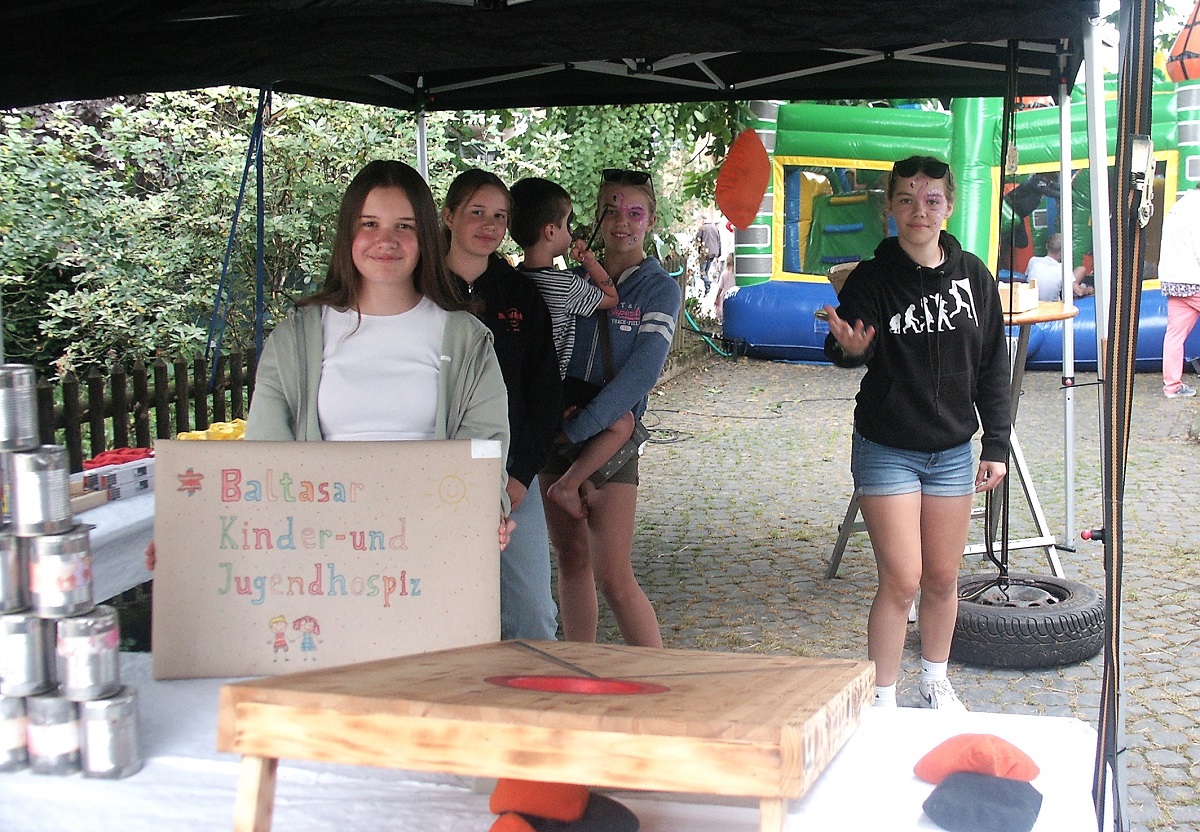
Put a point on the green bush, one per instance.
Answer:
(115, 214)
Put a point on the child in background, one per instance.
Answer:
(727, 282)
(541, 226)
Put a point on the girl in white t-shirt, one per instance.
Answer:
(384, 350)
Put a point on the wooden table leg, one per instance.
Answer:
(771, 814)
(255, 803)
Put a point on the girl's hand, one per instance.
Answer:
(516, 492)
(151, 556)
(853, 340)
(989, 475)
(506, 529)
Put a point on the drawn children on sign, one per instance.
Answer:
(279, 625)
(309, 629)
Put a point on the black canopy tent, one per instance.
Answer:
(461, 54)
(479, 54)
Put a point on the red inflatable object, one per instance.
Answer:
(743, 179)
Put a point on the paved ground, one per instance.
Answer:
(748, 480)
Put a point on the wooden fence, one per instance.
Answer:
(132, 408)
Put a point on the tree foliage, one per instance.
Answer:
(115, 215)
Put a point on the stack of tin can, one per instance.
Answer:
(63, 708)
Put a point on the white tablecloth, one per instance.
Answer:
(186, 784)
(118, 541)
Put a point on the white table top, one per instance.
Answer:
(121, 530)
(869, 786)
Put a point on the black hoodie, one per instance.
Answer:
(511, 306)
(939, 351)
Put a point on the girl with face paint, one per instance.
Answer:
(598, 550)
(924, 317)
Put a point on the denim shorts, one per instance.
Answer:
(883, 471)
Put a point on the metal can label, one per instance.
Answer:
(50, 577)
(12, 733)
(53, 740)
(71, 647)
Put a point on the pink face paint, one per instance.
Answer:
(920, 190)
(635, 213)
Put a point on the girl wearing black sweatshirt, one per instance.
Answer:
(924, 317)
(475, 220)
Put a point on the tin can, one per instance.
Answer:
(109, 730)
(26, 654)
(14, 574)
(18, 407)
(53, 734)
(88, 655)
(60, 572)
(40, 491)
(14, 754)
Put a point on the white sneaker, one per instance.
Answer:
(1182, 393)
(940, 694)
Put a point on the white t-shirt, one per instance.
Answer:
(379, 376)
(1048, 273)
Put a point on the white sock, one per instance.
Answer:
(885, 697)
(932, 671)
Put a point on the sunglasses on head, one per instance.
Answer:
(627, 177)
(925, 164)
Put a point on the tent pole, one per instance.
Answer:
(422, 148)
(1098, 171)
(1131, 186)
(1066, 225)
(260, 264)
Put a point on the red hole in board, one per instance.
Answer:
(576, 684)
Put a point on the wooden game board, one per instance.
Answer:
(600, 715)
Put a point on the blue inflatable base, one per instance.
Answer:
(776, 320)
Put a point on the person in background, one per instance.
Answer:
(541, 226)
(1179, 276)
(475, 217)
(633, 339)
(924, 317)
(1046, 270)
(708, 243)
(728, 281)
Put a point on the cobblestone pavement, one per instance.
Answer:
(748, 479)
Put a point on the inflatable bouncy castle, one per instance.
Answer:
(825, 206)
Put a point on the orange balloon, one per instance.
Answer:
(743, 179)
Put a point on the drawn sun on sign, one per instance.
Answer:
(452, 489)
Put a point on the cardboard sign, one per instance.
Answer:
(275, 557)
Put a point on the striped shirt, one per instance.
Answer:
(567, 294)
